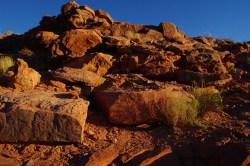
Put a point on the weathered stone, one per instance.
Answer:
(121, 28)
(205, 61)
(80, 18)
(132, 99)
(158, 65)
(75, 43)
(98, 63)
(40, 116)
(68, 7)
(104, 15)
(171, 32)
(25, 77)
(104, 157)
(116, 41)
(74, 75)
(152, 159)
(46, 38)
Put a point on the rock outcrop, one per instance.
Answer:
(140, 76)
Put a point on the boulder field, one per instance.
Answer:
(85, 89)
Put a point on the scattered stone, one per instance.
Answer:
(104, 157)
(149, 161)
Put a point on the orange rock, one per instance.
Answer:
(75, 43)
(171, 32)
(25, 78)
(151, 160)
(46, 38)
(68, 7)
(74, 75)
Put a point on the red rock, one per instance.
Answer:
(75, 43)
(132, 99)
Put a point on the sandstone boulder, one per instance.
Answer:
(25, 78)
(74, 43)
(171, 32)
(46, 38)
(77, 76)
(102, 14)
(40, 116)
(68, 7)
(205, 61)
(132, 99)
(116, 41)
(80, 18)
(98, 63)
(158, 65)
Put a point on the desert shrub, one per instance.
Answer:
(179, 110)
(209, 99)
(133, 35)
(6, 63)
(183, 110)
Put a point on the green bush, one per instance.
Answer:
(6, 63)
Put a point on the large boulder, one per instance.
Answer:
(69, 7)
(132, 99)
(75, 43)
(171, 32)
(77, 76)
(81, 17)
(40, 116)
(98, 63)
(205, 61)
(25, 78)
(104, 15)
(46, 38)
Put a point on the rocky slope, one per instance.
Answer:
(86, 90)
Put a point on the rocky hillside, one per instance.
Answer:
(82, 89)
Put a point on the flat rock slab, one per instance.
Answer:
(40, 116)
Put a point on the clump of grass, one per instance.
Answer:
(181, 110)
(133, 35)
(184, 110)
(6, 63)
(209, 99)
